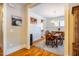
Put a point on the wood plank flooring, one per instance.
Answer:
(34, 51)
(1, 52)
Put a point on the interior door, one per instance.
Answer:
(75, 11)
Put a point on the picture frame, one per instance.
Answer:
(33, 20)
(16, 21)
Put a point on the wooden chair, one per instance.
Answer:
(50, 39)
(60, 38)
(46, 37)
(53, 42)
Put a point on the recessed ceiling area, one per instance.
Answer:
(49, 10)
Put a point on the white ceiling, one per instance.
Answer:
(48, 10)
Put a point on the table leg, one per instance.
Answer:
(56, 43)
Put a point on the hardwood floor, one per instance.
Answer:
(1, 52)
(34, 51)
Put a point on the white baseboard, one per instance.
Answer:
(27, 47)
(37, 38)
(11, 50)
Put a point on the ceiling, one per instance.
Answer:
(48, 10)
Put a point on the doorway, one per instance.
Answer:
(40, 22)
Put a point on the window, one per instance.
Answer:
(62, 23)
(57, 22)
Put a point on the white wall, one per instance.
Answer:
(14, 37)
(35, 29)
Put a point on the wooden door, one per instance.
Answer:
(75, 11)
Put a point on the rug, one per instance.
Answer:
(57, 50)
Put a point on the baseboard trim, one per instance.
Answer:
(34, 42)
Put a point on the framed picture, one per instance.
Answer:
(33, 20)
(16, 21)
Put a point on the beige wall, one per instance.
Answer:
(1, 33)
(15, 36)
(66, 48)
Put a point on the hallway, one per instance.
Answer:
(43, 20)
